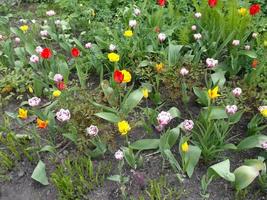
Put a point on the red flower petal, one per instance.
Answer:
(46, 53)
(75, 52)
(162, 2)
(60, 85)
(213, 3)
(254, 9)
(118, 76)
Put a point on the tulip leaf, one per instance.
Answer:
(174, 112)
(244, 175)
(111, 117)
(252, 142)
(191, 159)
(39, 173)
(222, 170)
(132, 101)
(145, 144)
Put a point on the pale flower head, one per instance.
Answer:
(198, 15)
(184, 71)
(197, 36)
(44, 33)
(254, 35)
(50, 13)
(194, 28)
(88, 45)
(237, 92)
(137, 11)
(162, 37)
(58, 78)
(211, 62)
(92, 130)
(17, 40)
(63, 115)
(34, 101)
(164, 118)
(247, 47)
(231, 109)
(187, 125)
(57, 22)
(112, 47)
(1, 37)
(38, 49)
(264, 145)
(236, 42)
(132, 23)
(34, 59)
(118, 155)
(33, 21)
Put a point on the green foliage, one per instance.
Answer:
(75, 178)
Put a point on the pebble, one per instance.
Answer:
(21, 173)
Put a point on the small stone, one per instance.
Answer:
(21, 173)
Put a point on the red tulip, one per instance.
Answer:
(60, 85)
(75, 52)
(46, 53)
(118, 76)
(162, 2)
(254, 9)
(213, 3)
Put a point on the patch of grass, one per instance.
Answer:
(74, 179)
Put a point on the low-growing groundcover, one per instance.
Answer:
(133, 100)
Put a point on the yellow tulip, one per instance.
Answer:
(159, 67)
(213, 94)
(123, 127)
(113, 57)
(23, 114)
(30, 89)
(263, 110)
(145, 92)
(128, 33)
(56, 93)
(243, 11)
(185, 147)
(127, 77)
(24, 28)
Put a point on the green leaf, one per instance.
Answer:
(145, 144)
(132, 101)
(71, 136)
(129, 157)
(116, 178)
(229, 146)
(218, 113)
(222, 170)
(191, 159)
(235, 117)
(48, 148)
(202, 95)
(111, 117)
(252, 142)
(174, 112)
(245, 175)
(174, 54)
(218, 78)
(109, 93)
(39, 173)
(251, 54)
(173, 135)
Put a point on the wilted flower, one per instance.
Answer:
(254, 9)
(145, 92)
(50, 13)
(58, 77)
(231, 109)
(24, 28)
(213, 93)
(17, 40)
(113, 57)
(198, 15)
(23, 113)
(185, 147)
(41, 123)
(237, 92)
(132, 23)
(236, 42)
(137, 12)
(60, 85)
(254, 35)
(63, 115)
(34, 101)
(127, 77)
(164, 118)
(123, 127)
(187, 125)
(184, 71)
(128, 33)
(34, 59)
(112, 47)
(247, 47)
(159, 67)
(263, 110)
(56, 93)
(44, 33)
(264, 145)
(162, 37)
(211, 62)
(92, 130)
(38, 49)
(88, 45)
(118, 155)
(194, 28)
(243, 11)
(197, 36)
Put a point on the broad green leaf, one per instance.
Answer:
(202, 95)
(116, 178)
(218, 113)
(222, 170)
(145, 144)
(71, 136)
(129, 157)
(39, 173)
(111, 117)
(229, 146)
(245, 175)
(48, 148)
(218, 78)
(258, 164)
(191, 159)
(174, 112)
(251, 54)
(132, 101)
(252, 142)
(109, 93)
(235, 117)
(174, 54)
(173, 135)
(167, 154)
